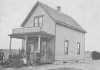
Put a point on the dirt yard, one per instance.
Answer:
(67, 66)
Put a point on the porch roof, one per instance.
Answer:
(31, 34)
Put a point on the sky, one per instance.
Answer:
(85, 12)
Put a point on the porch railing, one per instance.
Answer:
(26, 30)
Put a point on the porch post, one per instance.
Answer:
(25, 48)
(25, 43)
(10, 45)
(39, 43)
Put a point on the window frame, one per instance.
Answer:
(78, 48)
(35, 18)
(38, 24)
(66, 48)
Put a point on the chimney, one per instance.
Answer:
(58, 8)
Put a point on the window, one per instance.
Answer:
(38, 21)
(78, 48)
(66, 47)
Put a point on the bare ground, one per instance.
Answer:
(67, 66)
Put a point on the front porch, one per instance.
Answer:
(38, 45)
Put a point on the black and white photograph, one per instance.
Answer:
(49, 34)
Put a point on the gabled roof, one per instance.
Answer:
(58, 17)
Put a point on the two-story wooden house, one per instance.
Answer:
(48, 35)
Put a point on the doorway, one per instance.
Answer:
(43, 50)
(32, 47)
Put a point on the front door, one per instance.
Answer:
(32, 48)
(43, 50)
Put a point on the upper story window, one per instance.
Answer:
(78, 48)
(66, 46)
(38, 21)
